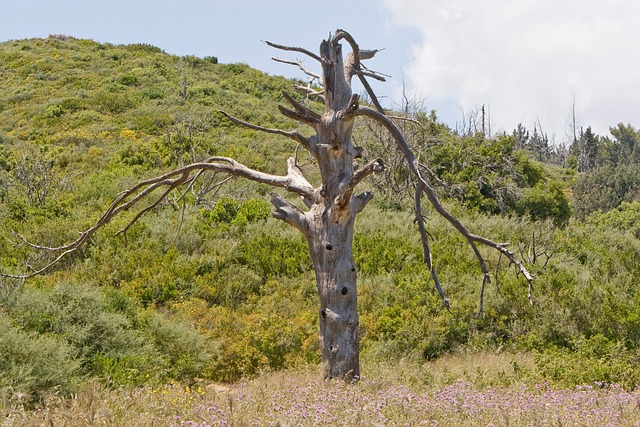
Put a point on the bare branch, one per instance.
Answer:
(294, 49)
(293, 182)
(374, 166)
(299, 64)
(297, 179)
(426, 188)
(309, 91)
(485, 281)
(361, 200)
(365, 54)
(293, 115)
(407, 119)
(309, 115)
(372, 74)
(309, 119)
(172, 186)
(296, 136)
(433, 175)
(371, 93)
(424, 237)
(289, 213)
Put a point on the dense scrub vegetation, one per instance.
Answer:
(208, 286)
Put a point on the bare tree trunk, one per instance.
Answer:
(331, 221)
(330, 244)
(328, 225)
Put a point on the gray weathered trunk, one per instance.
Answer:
(331, 224)
(332, 207)
(330, 220)
(330, 243)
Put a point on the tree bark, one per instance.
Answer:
(330, 220)
(330, 240)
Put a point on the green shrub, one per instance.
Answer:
(274, 256)
(595, 361)
(79, 314)
(32, 364)
(143, 47)
(624, 218)
(252, 210)
(225, 210)
(229, 286)
(112, 102)
(129, 80)
(231, 211)
(546, 200)
(153, 92)
(185, 350)
(107, 335)
(54, 111)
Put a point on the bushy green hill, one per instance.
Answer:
(207, 285)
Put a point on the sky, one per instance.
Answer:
(526, 61)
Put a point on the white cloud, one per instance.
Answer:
(526, 60)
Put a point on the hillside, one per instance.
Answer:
(207, 286)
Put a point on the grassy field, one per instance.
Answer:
(479, 389)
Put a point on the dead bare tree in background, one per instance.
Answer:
(327, 220)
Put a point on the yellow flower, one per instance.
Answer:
(128, 134)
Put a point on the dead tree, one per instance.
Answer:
(327, 221)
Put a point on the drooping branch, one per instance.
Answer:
(293, 182)
(176, 183)
(424, 237)
(372, 96)
(428, 190)
(371, 74)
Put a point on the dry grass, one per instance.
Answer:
(461, 390)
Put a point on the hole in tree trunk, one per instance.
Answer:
(328, 246)
(344, 291)
(323, 313)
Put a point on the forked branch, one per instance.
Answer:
(293, 182)
(375, 165)
(309, 115)
(300, 65)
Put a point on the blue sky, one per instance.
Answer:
(527, 61)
